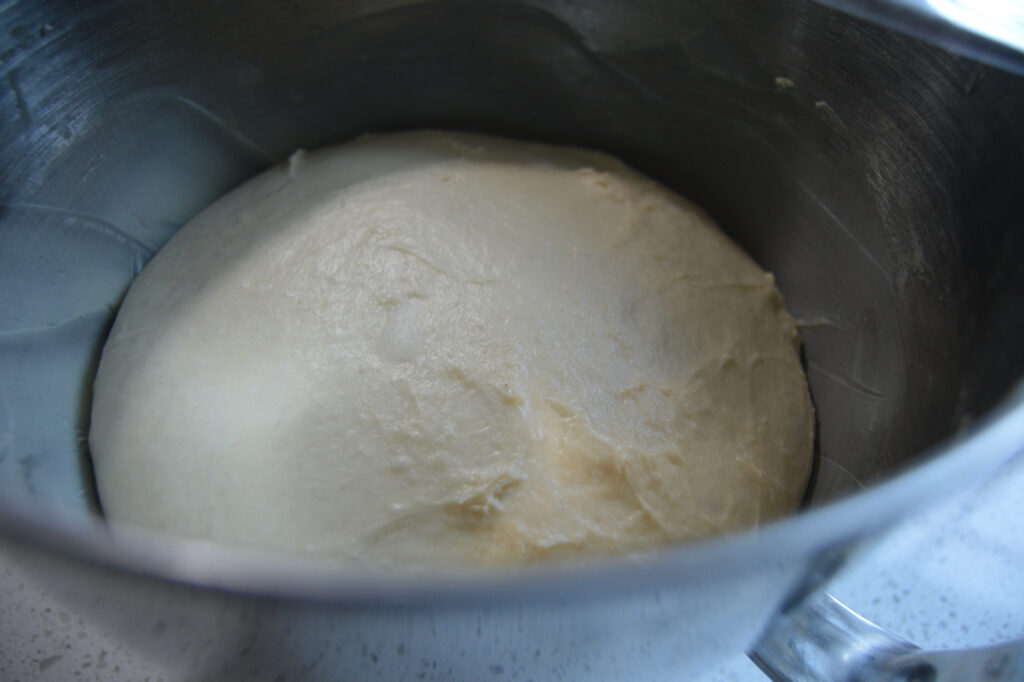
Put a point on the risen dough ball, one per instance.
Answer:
(436, 349)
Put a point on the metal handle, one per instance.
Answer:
(821, 640)
(991, 31)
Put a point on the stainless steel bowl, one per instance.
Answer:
(876, 176)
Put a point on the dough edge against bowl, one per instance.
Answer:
(433, 349)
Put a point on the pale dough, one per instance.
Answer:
(432, 349)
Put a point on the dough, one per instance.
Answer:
(436, 349)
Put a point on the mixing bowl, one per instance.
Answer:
(875, 175)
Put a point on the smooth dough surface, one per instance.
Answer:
(435, 349)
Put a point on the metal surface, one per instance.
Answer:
(821, 640)
(991, 31)
(876, 176)
(948, 578)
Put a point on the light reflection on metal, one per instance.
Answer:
(999, 20)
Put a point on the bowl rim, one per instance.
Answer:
(954, 464)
